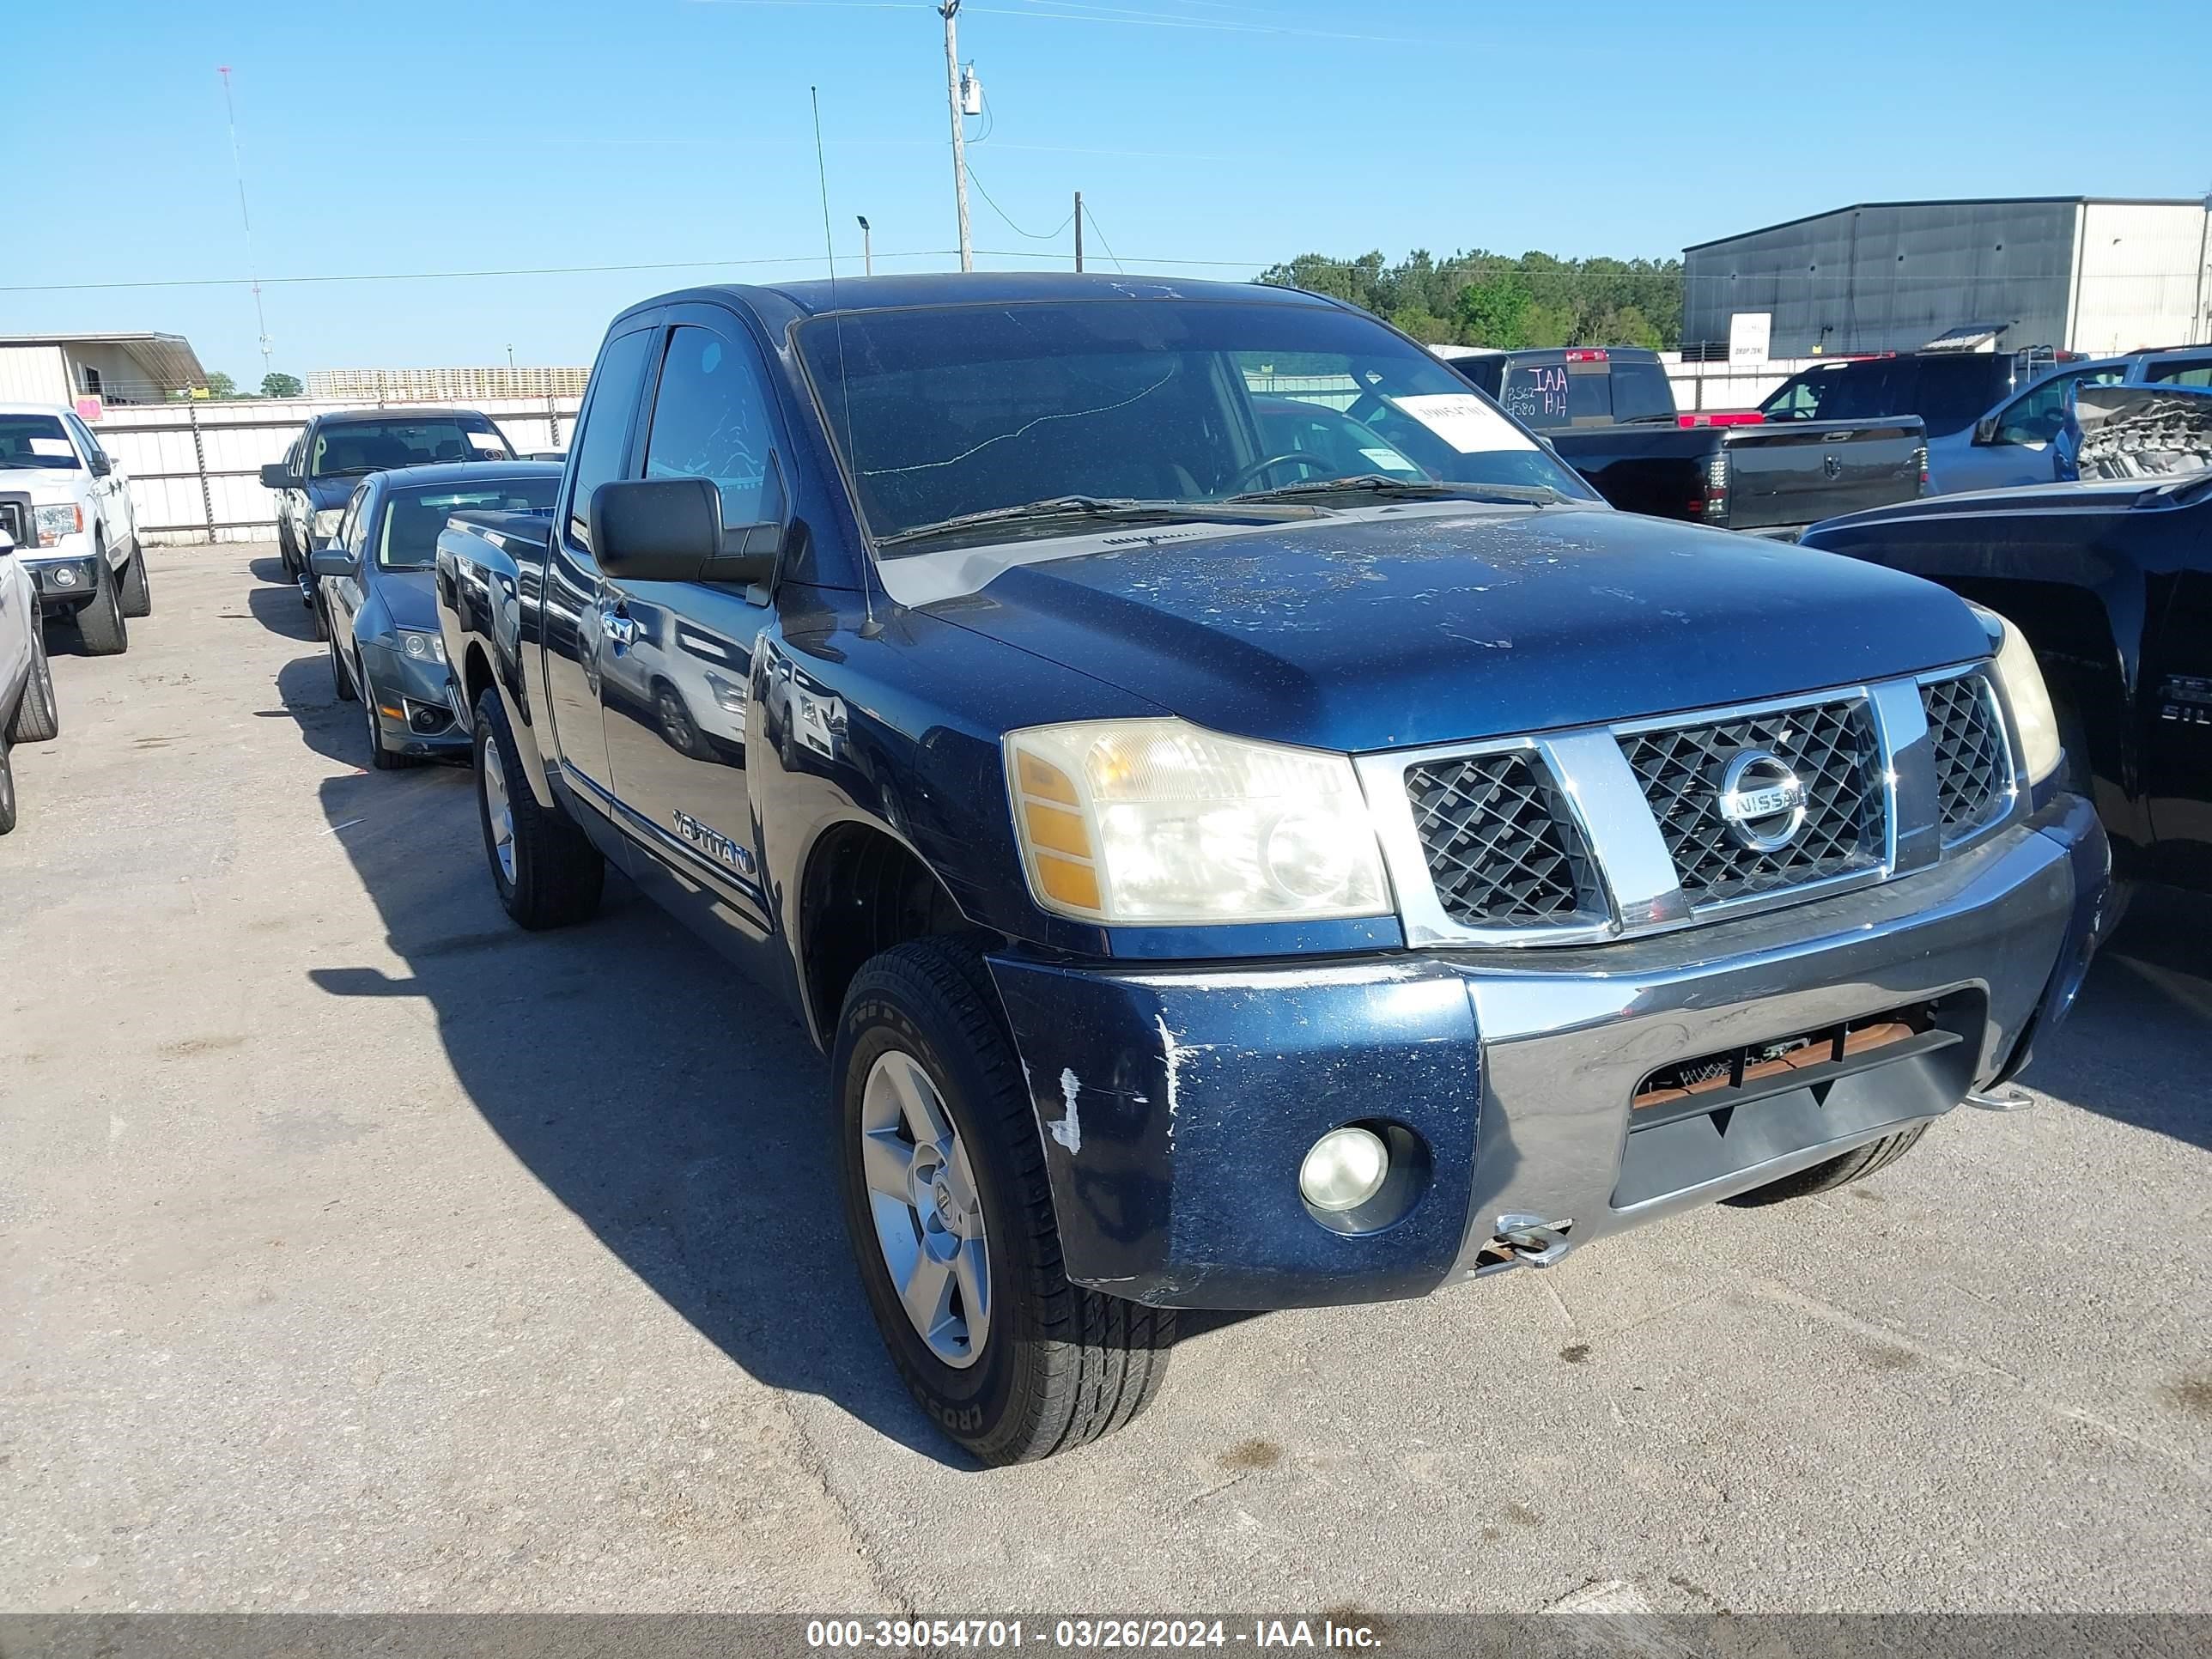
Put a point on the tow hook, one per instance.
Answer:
(1532, 1239)
(1998, 1100)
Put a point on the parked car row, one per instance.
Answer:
(1249, 825)
(69, 554)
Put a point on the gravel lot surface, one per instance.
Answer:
(359, 1252)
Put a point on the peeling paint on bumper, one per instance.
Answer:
(1199, 1091)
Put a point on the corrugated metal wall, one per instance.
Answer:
(195, 468)
(1890, 278)
(34, 374)
(2142, 277)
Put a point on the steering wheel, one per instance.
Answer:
(1259, 470)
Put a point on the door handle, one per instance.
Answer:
(620, 630)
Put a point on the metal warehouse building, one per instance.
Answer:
(2087, 274)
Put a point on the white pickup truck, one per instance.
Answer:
(67, 506)
(27, 712)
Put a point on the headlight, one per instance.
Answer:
(2032, 716)
(327, 520)
(422, 647)
(64, 519)
(1157, 821)
(728, 695)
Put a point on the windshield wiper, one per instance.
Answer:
(348, 471)
(1376, 484)
(1104, 509)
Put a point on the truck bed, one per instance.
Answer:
(1765, 479)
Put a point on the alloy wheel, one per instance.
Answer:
(926, 1207)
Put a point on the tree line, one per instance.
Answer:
(1484, 299)
(273, 385)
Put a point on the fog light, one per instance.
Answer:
(1344, 1169)
(65, 577)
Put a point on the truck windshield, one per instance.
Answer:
(356, 447)
(28, 440)
(948, 411)
(413, 518)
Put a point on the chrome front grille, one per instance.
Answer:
(1500, 845)
(1973, 768)
(1593, 833)
(1833, 749)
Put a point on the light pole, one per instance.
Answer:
(867, 245)
(948, 11)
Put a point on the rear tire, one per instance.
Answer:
(99, 621)
(1055, 1365)
(546, 870)
(137, 594)
(1855, 1165)
(7, 791)
(38, 716)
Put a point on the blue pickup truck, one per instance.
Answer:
(1249, 827)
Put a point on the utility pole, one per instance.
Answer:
(867, 246)
(949, 11)
(1079, 230)
(230, 111)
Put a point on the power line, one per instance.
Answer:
(1034, 236)
(1090, 217)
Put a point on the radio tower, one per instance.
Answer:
(253, 273)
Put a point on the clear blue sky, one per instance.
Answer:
(467, 134)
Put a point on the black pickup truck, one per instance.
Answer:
(1609, 413)
(1226, 864)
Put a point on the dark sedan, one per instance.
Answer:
(2110, 582)
(373, 592)
(335, 452)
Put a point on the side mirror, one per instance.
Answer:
(276, 476)
(330, 561)
(1985, 429)
(670, 530)
(100, 465)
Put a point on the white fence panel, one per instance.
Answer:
(195, 468)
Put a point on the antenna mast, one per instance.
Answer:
(252, 271)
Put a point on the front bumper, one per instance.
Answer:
(66, 575)
(1176, 1105)
(428, 721)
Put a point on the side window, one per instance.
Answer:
(2182, 371)
(353, 534)
(2035, 415)
(602, 439)
(85, 441)
(710, 420)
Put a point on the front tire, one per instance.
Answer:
(1855, 1165)
(546, 871)
(341, 681)
(381, 756)
(7, 791)
(939, 1153)
(38, 716)
(99, 621)
(137, 594)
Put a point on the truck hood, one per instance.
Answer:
(42, 484)
(1418, 625)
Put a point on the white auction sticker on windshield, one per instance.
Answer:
(1390, 461)
(57, 448)
(1465, 422)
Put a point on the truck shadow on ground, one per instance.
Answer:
(676, 1111)
(2148, 998)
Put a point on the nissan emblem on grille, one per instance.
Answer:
(1761, 801)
